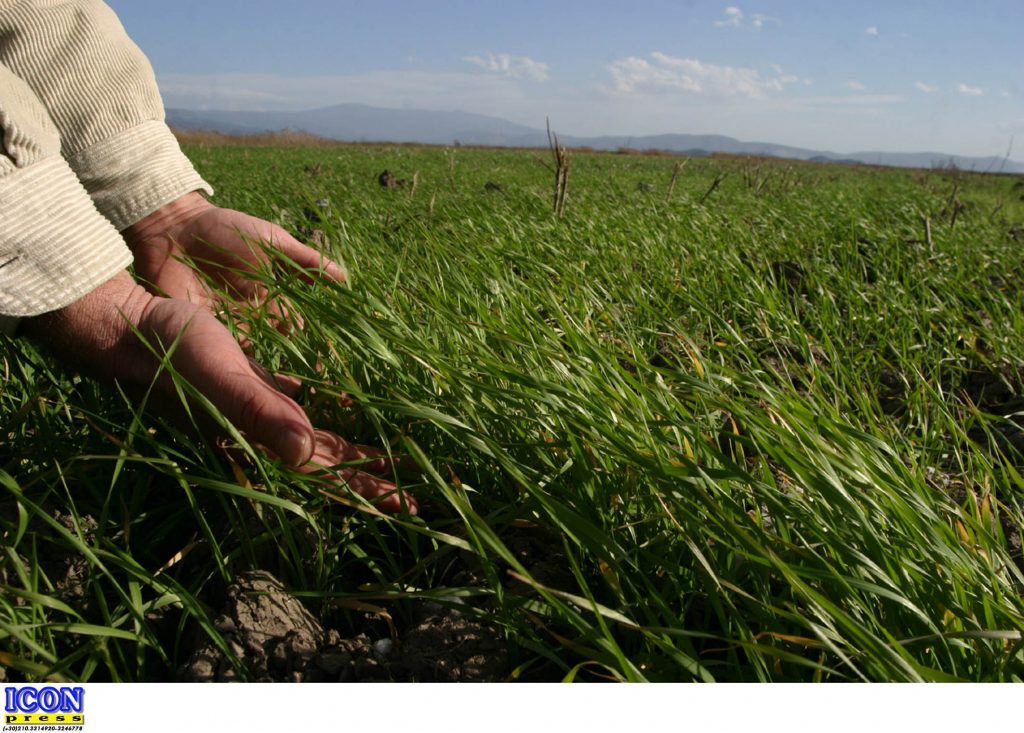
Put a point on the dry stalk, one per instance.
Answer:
(560, 156)
(957, 208)
(953, 205)
(415, 182)
(763, 182)
(676, 170)
(751, 176)
(711, 189)
(954, 195)
(451, 170)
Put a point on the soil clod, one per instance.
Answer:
(275, 638)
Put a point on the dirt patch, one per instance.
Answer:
(789, 276)
(791, 363)
(69, 571)
(961, 494)
(992, 386)
(893, 389)
(997, 389)
(447, 646)
(541, 552)
(275, 638)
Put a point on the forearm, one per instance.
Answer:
(100, 91)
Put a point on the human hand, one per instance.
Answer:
(332, 450)
(222, 243)
(100, 334)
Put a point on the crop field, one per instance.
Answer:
(721, 420)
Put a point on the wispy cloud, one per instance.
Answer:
(926, 88)
(969, 90)
(851, 100)
(871, 30)
(856, 86)
(515, 67)
(734, 18)
(664, 73)
(789, 78)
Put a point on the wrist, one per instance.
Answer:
(96, 324)
(160, 227)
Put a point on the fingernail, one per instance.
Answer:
(298, 446)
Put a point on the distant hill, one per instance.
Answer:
(362, 123)
(359, 122)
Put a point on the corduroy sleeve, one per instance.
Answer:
(101, 93)
(54, 245)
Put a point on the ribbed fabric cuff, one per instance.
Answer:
(54, 246)
(136, 172)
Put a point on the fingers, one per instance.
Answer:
(284, 318)
(235, 225)
(100, 332)
(382, 494)
(332, 446)
(285, 383)
(223, 243)
(306, 257)
(331, 450)
(275, 311)
(208, 357)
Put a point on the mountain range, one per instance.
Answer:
(362, 123)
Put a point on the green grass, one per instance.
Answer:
(770, 436)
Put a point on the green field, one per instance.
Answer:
(769, 429)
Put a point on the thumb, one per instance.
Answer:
(210, 359)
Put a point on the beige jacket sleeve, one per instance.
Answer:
(54, 245)
(85, 151)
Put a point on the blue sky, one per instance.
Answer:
(896, 75)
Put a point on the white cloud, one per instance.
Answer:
(969, 90)
(926, 88)
(871, 30)
(516, 67)
(759, 21)
(225, 91)
(845, 121)
(785, 78)
(733, 17)
(851, 100)
(671, 74)
(856, 86)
